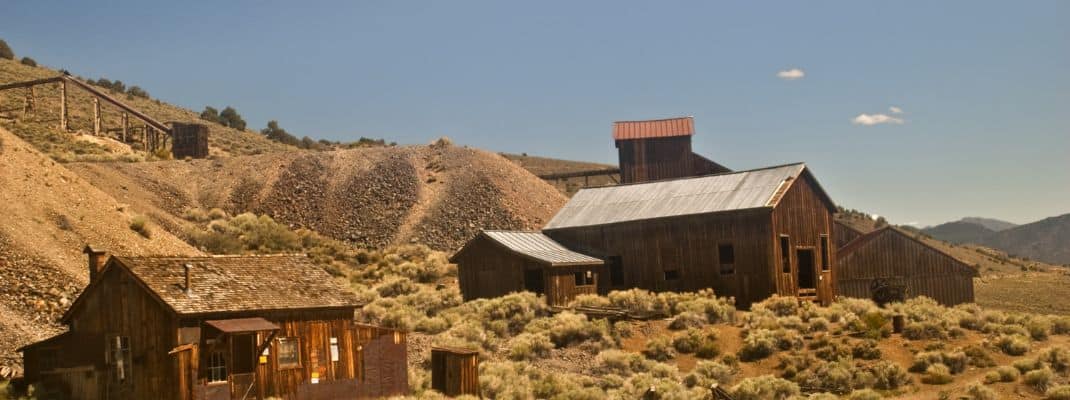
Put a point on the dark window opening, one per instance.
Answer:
(672, 275)
(785, 254)
(726, 256)
(616, 271)
(807, 279)
(584, 278)
(244, 349)
(217, 367)
(533, 281)
(825, 262)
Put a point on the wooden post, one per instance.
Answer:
(126, 125)
(63, 105)
(96, 116)
(31, 100)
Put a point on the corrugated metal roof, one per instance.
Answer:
(624, 130)
(669, 198)
(239, 325)
(539, 246)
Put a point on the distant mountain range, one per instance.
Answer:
(1046, 240)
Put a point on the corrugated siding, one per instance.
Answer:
(924, 270)
(624, 130)
(690, 196)
(539, 246)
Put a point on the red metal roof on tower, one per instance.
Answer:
(625, 130)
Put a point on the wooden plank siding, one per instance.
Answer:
(455, 372)
(643, 160)
(561, 286)
(803, 218)
(844, 233)
(687, 244)
(895, 256)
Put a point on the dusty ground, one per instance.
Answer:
(440, 195)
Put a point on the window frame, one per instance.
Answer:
(785, 253)
(826, 263)
(217, 365)
(120, 359)
(286, 341)
(583, 278)
(726, 268)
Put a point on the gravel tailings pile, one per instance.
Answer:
(49, 214)
(439, 195)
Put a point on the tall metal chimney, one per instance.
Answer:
(189, 289)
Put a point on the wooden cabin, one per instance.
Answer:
(222, 327)
(897, 257)
(747, 234)
(454, 371)
(659, 149)
(495, 263)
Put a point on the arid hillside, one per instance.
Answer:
(41, 127)
(49, 214)
(544, 165)
(439, 195)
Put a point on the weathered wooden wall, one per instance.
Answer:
(895, 257)
(844, 234)
(643, 160)
(189, 140)
(804, 218)
(561, 286)
(486, 270)
(687, 244)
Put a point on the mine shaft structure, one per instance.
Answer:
(152, 134)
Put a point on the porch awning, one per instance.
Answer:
(239, 325)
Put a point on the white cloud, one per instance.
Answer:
(895, 110)
(791, 74)
(876, 119)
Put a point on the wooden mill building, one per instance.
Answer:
(222, 327)
(659, 149)
(897, 257)
(495, 263)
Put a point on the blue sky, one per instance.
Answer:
(984, 87)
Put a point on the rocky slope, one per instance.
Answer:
(49, 215)
(440, 195)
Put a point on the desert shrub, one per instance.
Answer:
(955, 361)
(140, 224)
(889, 375)
(818, 324)
(504, 380)
(866, 350)
(1028, 364)
(836, 377)
(687, 342)
(568, 328)
(1039, 328)
(1014, 345)
(396, 286)
(659, 349)
(527, 346)
(924, 331)
(822, 396)
(589, 300)
(864, 394)
(1060, 325)
(937, 374)
(765, 387)
(1058, 358)
(623, 363)
(1007, 373)
(1061, 392)
(1038, 379)
(704, 302)
(706, 373)
(5, 51)
(776, 305)
(757, 345)
(873, 324)
(506, 315)
(979, 357)
(195, 215)
(978, 391)
(637, 386)
(639, 301)
(830, 350)
(686, 320)
(792, 363)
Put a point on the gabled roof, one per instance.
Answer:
(861, 241)
(848, 227)
(656, 128)
(537, 247)
(732, 191)
(232, 283)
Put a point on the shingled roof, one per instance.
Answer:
(235, 283)
(757, 188)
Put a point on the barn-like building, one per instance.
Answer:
(659, 149)
(496, 263)
(220, 327)
(895, 257)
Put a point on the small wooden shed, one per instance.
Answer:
(897, 257)
(659, 149)
(189, 140)
(495, 263)
(455, 371)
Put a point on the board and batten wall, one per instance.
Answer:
(804, 218)
(894, 256)
(643, 160)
